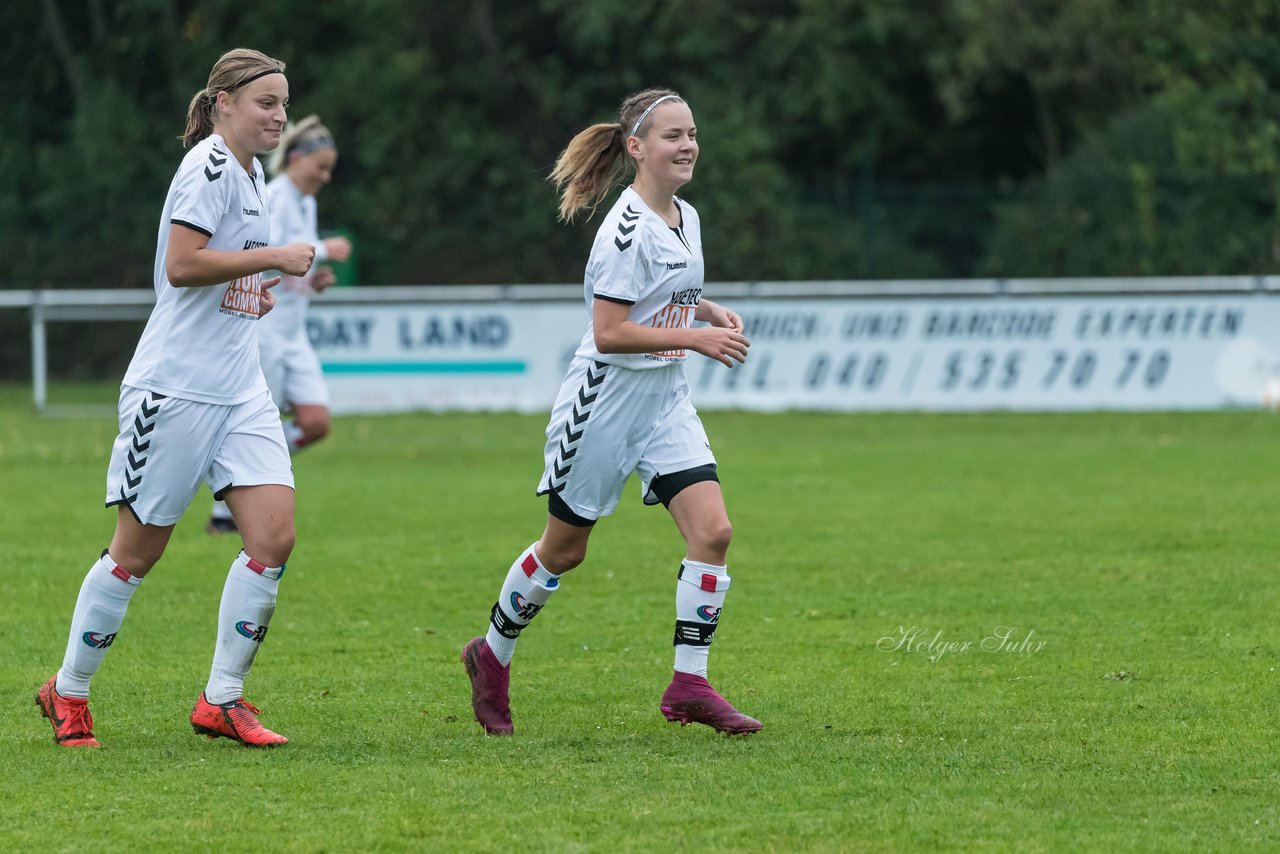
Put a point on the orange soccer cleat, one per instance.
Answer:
(72, 723)
(236, 720)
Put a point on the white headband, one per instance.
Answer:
(635, 127)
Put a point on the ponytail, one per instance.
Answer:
(596, 158)
(199, 117)
(588, 168)
(233, 69)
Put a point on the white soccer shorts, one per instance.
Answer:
(168, 446)
(293, 371)
(608, 422)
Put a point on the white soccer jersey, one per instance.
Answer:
(293, 220)
(640, 261)
(200, 343)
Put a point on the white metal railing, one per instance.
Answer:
(48, 306)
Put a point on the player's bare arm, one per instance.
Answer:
(190, 262)
(614, 333)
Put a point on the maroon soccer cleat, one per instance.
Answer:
(489, 682)
(236, 720)
(690, 699)
(72, 723)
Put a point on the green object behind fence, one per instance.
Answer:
(345, 271)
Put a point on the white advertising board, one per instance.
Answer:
(849, 354)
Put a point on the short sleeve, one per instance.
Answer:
(202, 192)
(618, 262)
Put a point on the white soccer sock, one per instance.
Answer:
(100, 608)
(294, 437)
(528, 587)
(248, 601)
(221, 510)
(700, 593)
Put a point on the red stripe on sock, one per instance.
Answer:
(529, 565)
(255, 566)
(121, 573)
(708, 582)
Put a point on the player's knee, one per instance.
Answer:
(321, 430)
(315, 429)
(561, 559)
(137, 554)
(138, 562)
(284, 541)
(272, 546)
(716, 535)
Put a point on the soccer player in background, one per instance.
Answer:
(624, 406)
(302, 164)
(194, 406)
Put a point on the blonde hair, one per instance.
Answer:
(595, 159)
(232, 70)
(303, 137)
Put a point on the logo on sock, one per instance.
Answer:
(98, 641)
(708, 613)
(249, 630)
(523, 608)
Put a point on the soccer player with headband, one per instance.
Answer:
(194, 406)
(625, 407)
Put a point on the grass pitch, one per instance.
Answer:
(974, 632)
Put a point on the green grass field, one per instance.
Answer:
(1132, 559)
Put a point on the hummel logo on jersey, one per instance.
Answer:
(144, 423)
(254, 633)
(98, 641)
(210, 174)
(677, 265)
(249, 212)
(581, 411)
(630, 217)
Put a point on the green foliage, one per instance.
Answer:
(1120, 205)
(840, 139)
(1138, 547)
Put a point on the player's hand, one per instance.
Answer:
(723, 344)
(295, 258)
(339, 248)
(723, 317)
(267, 300)
(322, 279)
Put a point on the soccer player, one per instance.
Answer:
(624, 406)
(302, 164)
(194, 406)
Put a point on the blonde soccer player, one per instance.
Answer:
(624, 406)
(194, 407)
